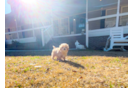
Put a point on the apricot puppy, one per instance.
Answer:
(60, 52)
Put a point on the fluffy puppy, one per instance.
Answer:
(60, 52)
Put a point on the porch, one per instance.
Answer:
(93, 19)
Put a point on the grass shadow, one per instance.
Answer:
(70, 53)
(73, 64)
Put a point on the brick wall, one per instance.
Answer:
(98, 43)
(70, 40)
(95, 43)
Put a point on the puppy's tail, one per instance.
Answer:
(53, 46)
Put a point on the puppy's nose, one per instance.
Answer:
(64, 49)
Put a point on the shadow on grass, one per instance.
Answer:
(70, 53)
(73, 64)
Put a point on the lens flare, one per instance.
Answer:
(29, 1)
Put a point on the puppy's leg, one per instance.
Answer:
(52, 56)
(59, 58)
(64, 58)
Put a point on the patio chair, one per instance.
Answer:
(116, 39)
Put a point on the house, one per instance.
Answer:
(45, 23)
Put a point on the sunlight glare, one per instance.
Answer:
(29, 1)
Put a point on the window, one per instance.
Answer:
(111, 11)
(124, 9)
(123, 20)
(97, 8)
(8, 29)
(123, 6)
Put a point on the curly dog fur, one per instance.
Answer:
(60, 52)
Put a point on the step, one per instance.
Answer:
(120, 40)
(120, 44)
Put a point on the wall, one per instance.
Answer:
(95, 43)
(28, 46)
(70, 40)
(109, 22)
(11, 25)
(99, 42)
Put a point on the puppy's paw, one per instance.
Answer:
(59, 60)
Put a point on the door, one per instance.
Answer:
(81, 23)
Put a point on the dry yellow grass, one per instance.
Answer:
(76, 72)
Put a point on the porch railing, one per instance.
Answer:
(14, 35)
(47, 35)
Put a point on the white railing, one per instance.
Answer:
(25, 40)
(27, 30)
(22, 40)
(47, 35)
(108, 16)
(105, 31)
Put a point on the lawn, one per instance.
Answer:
(92, 70)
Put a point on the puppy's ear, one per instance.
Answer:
(53, 47)
(60, 48)
(67, 48)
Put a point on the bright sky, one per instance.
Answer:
(7, 7)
